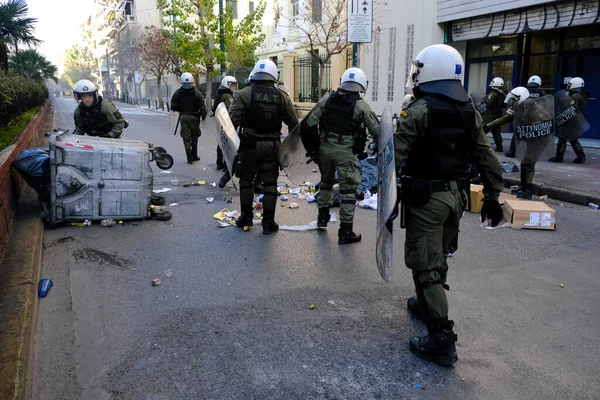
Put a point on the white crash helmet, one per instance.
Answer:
(354, 80)
(187, 80)
(575, 83)
(265, 70)
(439, 69)
(534, 81)
(497, 83)
(228, 81)
(85, 86)
(517, 95)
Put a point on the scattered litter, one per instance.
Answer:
(569, 175)
(169, 273)
(450, 254)
(213, 184)
(299, 228)
(417, 386)
(256, 221)
(594, 206)
(173, 204)
(163, 190)
(258, 215)
(301, 197)
(370, 202)
(87, 222)
(201, 182)
(228, 199)
(515, 187)
(221, 214)
(284, 198)
(307, 183)
(232, 214)
(561, 204)
(295, 191)
(210, 199)
(44, 287)
(156, 282)
(175, 182)
(314, 170)
(204, 168)
(368, 173)
(561, 285)
(312, 306)
(332, 217)
(282, 204)
(310, 198)
(508, 167)
(544, 197)
(166, 172)
(223, 224)
(293, 205)
(109, 223)
(261, 197)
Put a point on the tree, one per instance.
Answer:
(15, 29)
(33, 65)
(155, 54)
(193, 28)
(79, 64)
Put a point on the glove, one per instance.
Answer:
(492, 212)
(486, 128)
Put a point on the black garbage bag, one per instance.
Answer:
(34, 166)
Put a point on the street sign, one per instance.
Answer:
(360, 21)
(138, 77)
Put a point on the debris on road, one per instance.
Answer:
(175, 182)
(156, 282)
(210, 199)
(310, 198)
(169, 273)
(194, 183)
(173, 204)
(163, 190)
(561, 285)
(312, 306)
(213, 184)
(369, 203)
(87, 222)
(109, 223)
(284, 198)
(299, 228)
(293, 205)
(44, 287)
(166, 172)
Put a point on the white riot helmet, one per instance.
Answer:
(265, 70)
(575, 83)
(187, 80)
(497, 83)
(85, 87)
(250, 75)
(354, 80)
(228, 81)
(534, 81)
(438, 69)
(517, 95)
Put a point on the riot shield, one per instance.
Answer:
(386, 196)
(297, 151)
(534, 129)
(569, 123)
(227, 137)
(478, 96)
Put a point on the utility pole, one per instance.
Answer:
(222, 36)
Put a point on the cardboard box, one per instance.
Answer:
(477, 198)
(529, 214)
(505, 196)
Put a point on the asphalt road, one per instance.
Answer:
(234, 321)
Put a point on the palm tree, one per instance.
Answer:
(15, 28)
(33, 65)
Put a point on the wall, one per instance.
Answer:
(11, 184)
(449, 10)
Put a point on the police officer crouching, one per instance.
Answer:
(95, 116)
(437, 136)
(342, 118)
(260, 109)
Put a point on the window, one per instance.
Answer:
(251, 6)
(375, 85)
(492, 47)
(233, 4)
(317, 10)
(391, 65)
(295, 8)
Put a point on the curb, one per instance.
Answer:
(557, 193)
(21, 269)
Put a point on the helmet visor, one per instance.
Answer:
(413, 75)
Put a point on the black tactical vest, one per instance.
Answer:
(188, 103)
(219, 96)
(443, 153)
(95, 123)
(496, 111)
(536, 92)
(338, 115)
(264, 113)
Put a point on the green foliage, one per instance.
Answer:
(79, 64)
(19, 94)
(9, 133)
(15, 28)
(33, 65)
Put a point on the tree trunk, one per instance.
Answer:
(321, 73)
(158, 86)
(209, 69)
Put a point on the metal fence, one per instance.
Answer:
(306, 78)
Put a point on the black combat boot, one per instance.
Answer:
(224, 179)
(220, 163)
(323, 217)
(195, 150)
(580, 159)
(556, 159)
(245, 220)
(269, 226)
(345, 234)
(499, 148)
(524, 194)
(439, 345)
(510, 154)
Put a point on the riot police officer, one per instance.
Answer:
(189, 102)
(437, 136)
(342, 118)
(94, 115)
(260, 109)
(224, 95)
(495, 104)
(579, 95)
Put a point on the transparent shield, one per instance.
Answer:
(534, 129)
(386, 196)
(293, 158)
(226, 136)
(569, 122)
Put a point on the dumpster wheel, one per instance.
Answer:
(160, 150)
(164, 161)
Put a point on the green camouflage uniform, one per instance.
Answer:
(432, 228)
(103, 119)
(495, 103)
(192, 110)
(260, 141)
(336, 154)
(580, 100)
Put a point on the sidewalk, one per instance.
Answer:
(568, 182)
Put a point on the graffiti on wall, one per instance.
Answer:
(523, 20)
